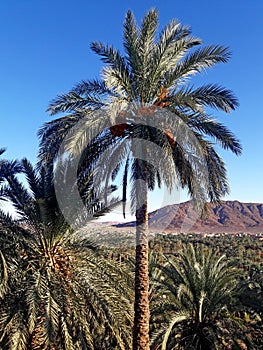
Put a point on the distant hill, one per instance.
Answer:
(229, 217)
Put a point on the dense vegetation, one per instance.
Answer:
(238, 323)
(75, 295)
(60, 290)
(241, 318)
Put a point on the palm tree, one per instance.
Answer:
(109, 120)
(61, 293)
(192, 302)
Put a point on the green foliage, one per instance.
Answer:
(57, 290)
(191, 308)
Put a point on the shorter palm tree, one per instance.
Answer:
(190, 310)
(61, 293)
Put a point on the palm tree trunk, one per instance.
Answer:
(141, 340)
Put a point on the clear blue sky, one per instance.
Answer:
(45, 51)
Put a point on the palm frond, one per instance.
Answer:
(19, 196)
(2, 150)
(71, 102)
(217, 130)
(179, 317)
(196, 62)
(32, 178)
(95, 86)
(4, 275)
(130, 41)
(215, 96)
(145, 48)
(174, 42)
(9, 168)
(49, 142)
(117, 73)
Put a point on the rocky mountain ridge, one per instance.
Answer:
(229, 217)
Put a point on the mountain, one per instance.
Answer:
(229, 217)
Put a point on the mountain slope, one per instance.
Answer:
(230, 216)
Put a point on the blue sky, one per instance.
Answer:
(45, 51)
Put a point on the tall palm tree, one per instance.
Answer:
(112, 115)
(192, 302)
(61, 293)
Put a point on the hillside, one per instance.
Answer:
(230, 216)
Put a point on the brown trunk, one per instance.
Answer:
(141, 340)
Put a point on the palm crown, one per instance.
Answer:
(193, 294)
(153, 72)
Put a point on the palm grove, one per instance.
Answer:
(59, 289)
